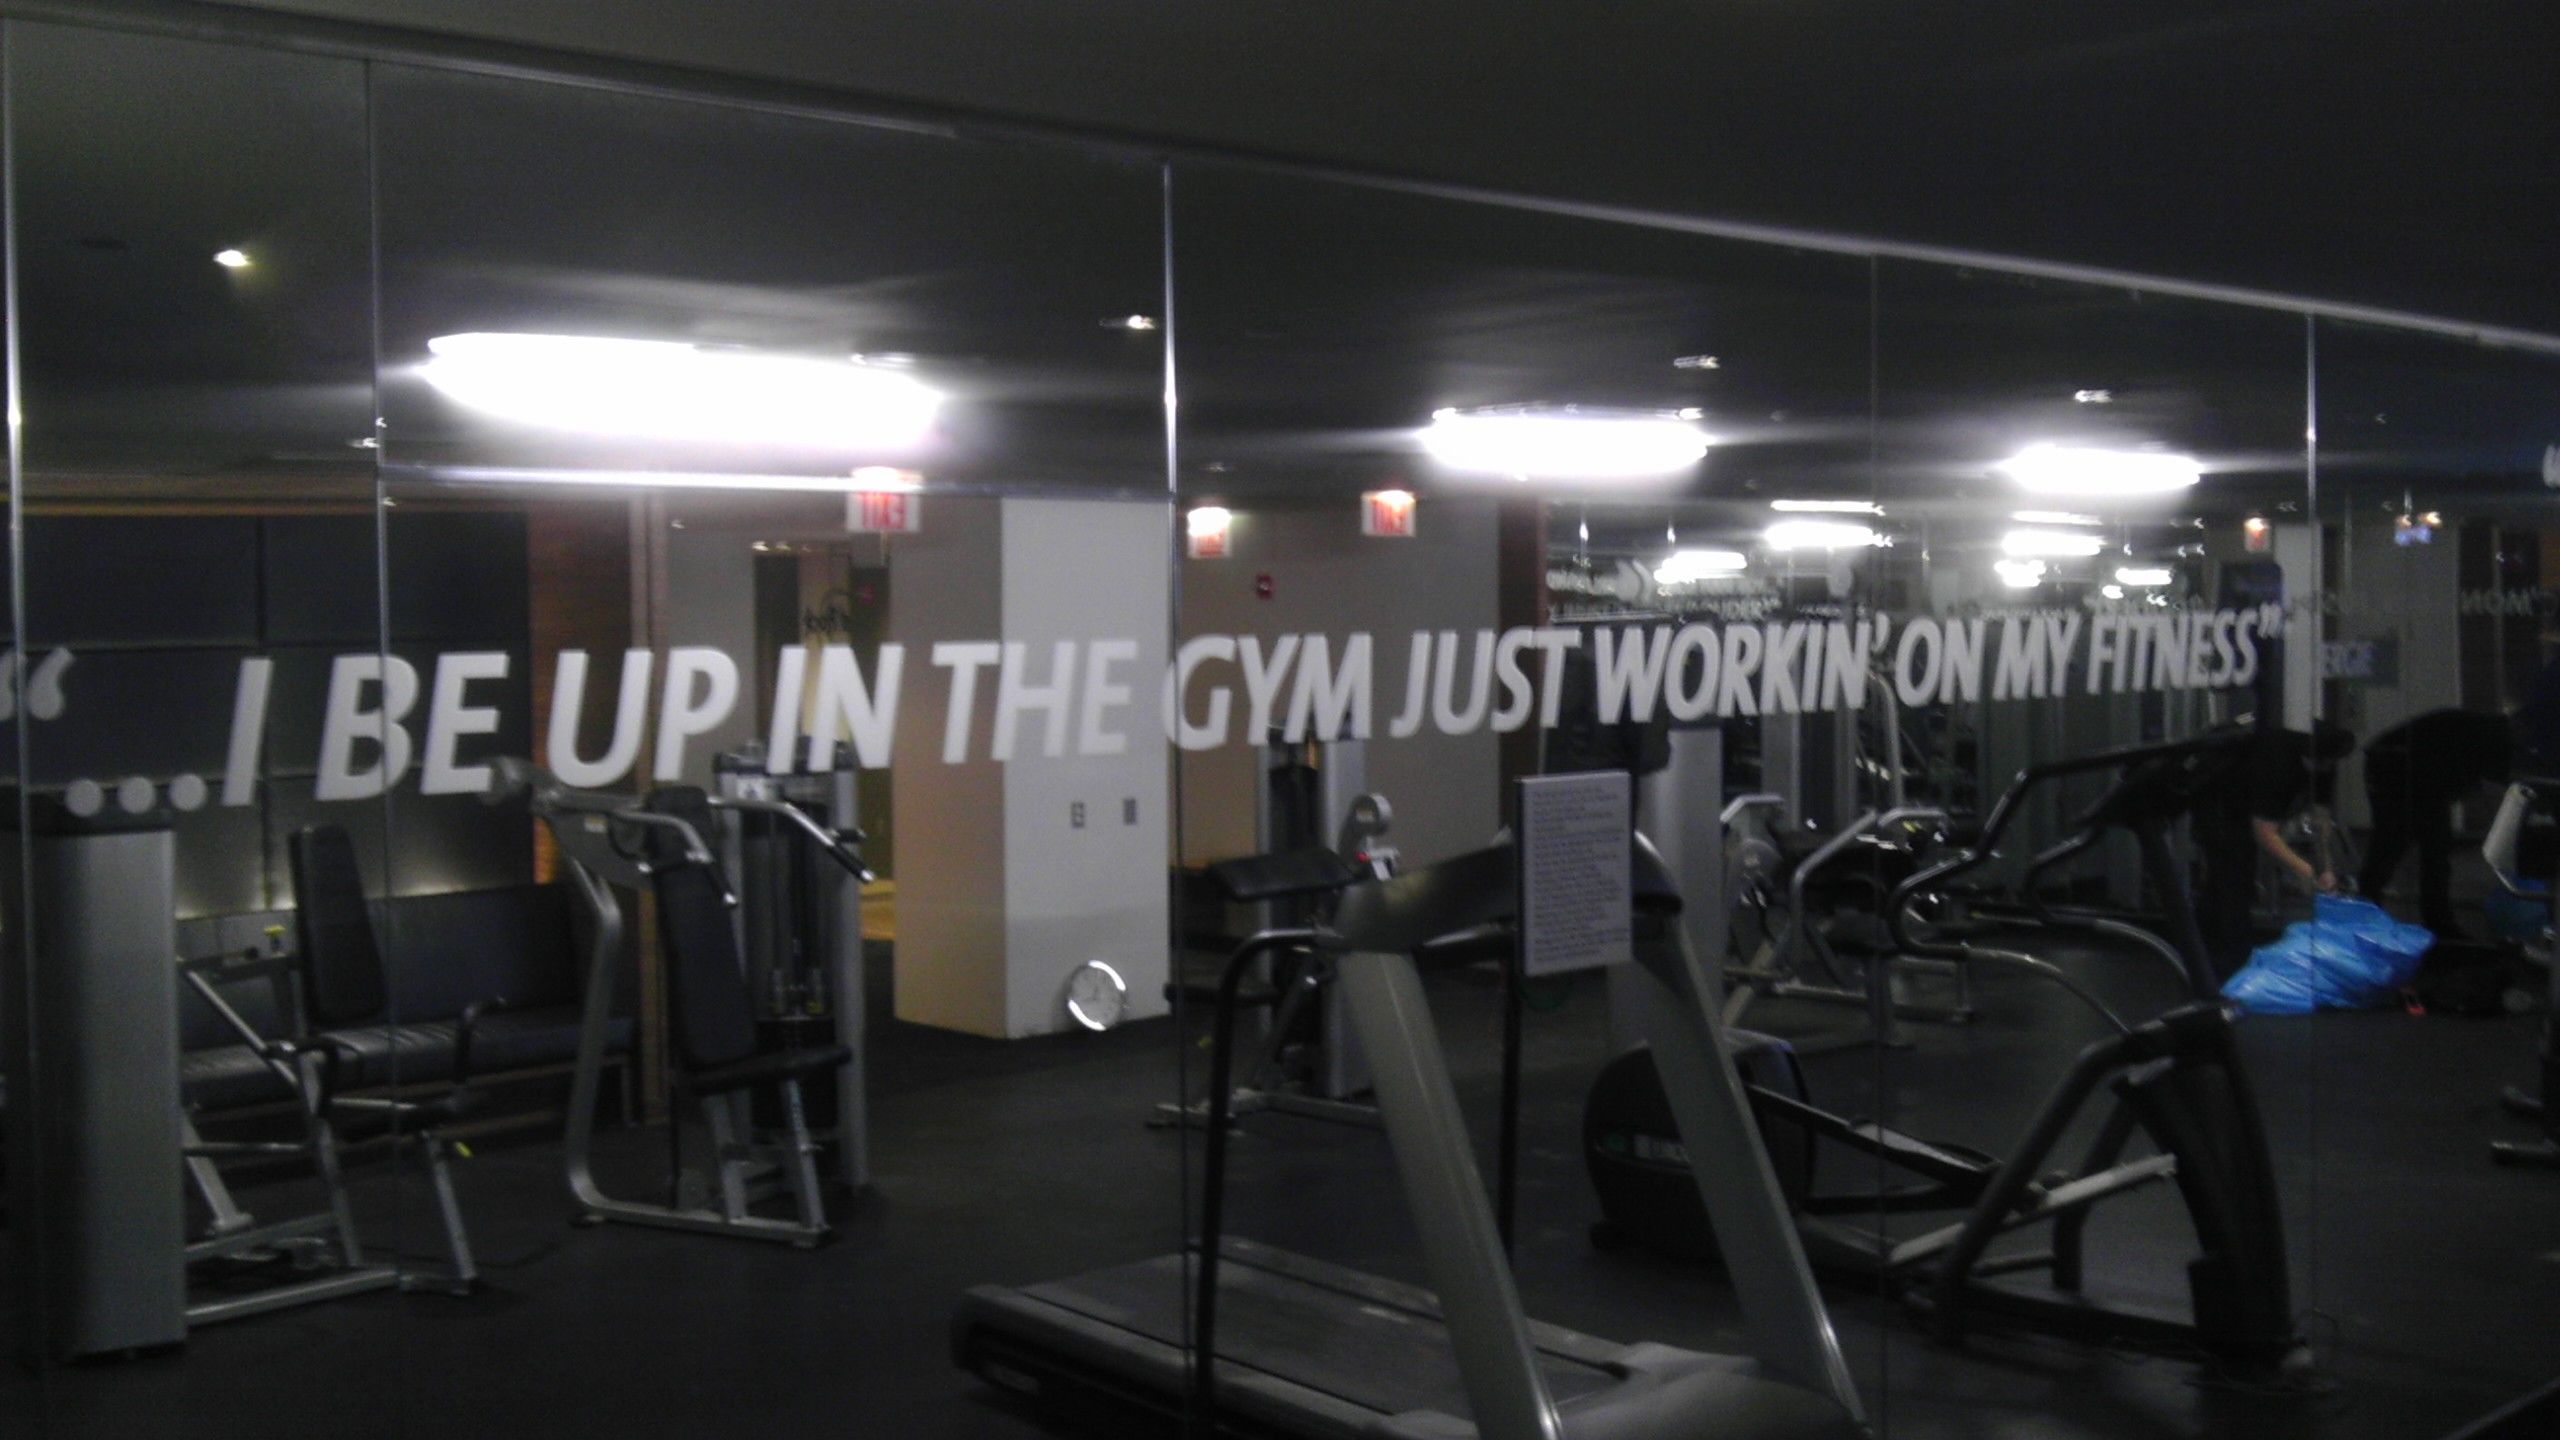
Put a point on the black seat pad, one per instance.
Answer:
(759, 1069)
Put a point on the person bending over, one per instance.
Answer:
(2269, 779)
(2414, 774)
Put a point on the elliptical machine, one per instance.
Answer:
(2177, 1078)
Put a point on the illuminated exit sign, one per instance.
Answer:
(883, 512)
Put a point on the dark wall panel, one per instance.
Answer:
(127, 580)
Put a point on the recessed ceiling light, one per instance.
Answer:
(231, 259)
(2075, 470)
(1566, 442)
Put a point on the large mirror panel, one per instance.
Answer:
(2099, 595)
(1479, 500)
(778, 530)
(2435, 497)
(193, 325)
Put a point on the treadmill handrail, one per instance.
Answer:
(1987, 843)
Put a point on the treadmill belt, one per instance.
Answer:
(1369, 1343)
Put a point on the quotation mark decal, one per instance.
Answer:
(44, 685)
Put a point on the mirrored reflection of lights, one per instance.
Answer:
(668, 390)
(2143, 575)
(1684, 567)
(2078, 470)
(2053, 517)
(886, 477)
(1820, 535)
(1827, 507)
(232, 259)
(2060, 544)
(2019, 574)
(1564, 443)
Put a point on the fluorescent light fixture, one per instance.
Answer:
(232, 259)
(2094, 397)
(667, 390)
(2076, 470)
(1827, 507)
(2143, 575)
(1819, 535)
(1682, 567)
(645, 479)
(2053, 517)
(1130, 322)
(1564, 443)
(2112, 592)
(2019, 574)
(886, 478)
(2062, 544)
(1697, 362)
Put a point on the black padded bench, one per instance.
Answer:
(443, 952)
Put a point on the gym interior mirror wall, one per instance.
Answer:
(806, 477)
(193, 341)
(2079, 481)
(2434, 502)
(1477, 496)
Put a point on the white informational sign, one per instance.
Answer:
(1576, 871)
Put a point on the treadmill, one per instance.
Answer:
(1307, 1350)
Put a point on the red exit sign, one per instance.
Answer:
(883, 512)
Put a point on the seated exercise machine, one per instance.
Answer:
(1320, 834)
(139, 1237)
(666, 845)
(2177, 1078)
(2503, 852)
(1246, 1339)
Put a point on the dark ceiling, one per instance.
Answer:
(1318, 323)
(2389, 152)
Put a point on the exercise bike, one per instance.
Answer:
(2502, 850)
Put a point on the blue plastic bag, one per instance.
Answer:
(2349, 955)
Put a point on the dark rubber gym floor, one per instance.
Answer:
(2430, 1280)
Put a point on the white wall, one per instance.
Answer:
(1001, 897)
(951, 848)
(1330, 579)
(711, 600)
(1086, 571)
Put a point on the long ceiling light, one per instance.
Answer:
(1564, 443)
(2092, 473)
(2144, 575)
(666, 390)
(1827, 507)
(1683, 567)
(1819, 535)
(2059, 544)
